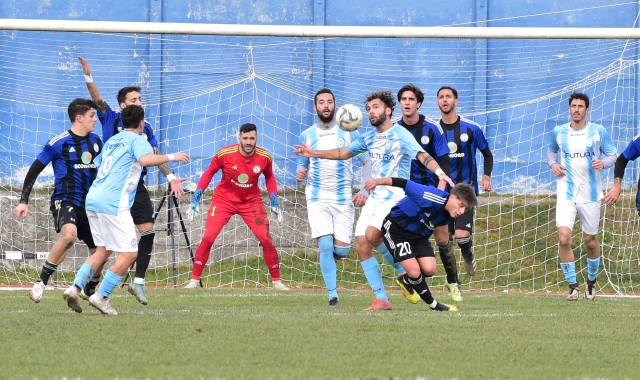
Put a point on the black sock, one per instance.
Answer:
(144, 252)
(90, 288)
(449, 263)
(404, 278)
(47, 270)
(420, 286)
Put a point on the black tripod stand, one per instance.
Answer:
(172, 202)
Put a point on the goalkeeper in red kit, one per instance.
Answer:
(238, 193)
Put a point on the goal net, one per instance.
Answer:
(198, 89)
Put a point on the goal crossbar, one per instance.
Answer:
(318, 30)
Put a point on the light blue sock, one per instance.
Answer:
(592, 268)
(569, 270)
(109, 282)
(341, 251)
(389, 257)
(374, 276)
(84, 275)
(327, 264)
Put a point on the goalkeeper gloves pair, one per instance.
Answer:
(197, 197)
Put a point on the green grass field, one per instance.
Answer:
(234, 334)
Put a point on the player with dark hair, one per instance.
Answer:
(142, 210)
(464, 139)
(407, 227)
(108, 202)
(391, 149)
(578, 150)
(71, 154)
(238, 194)
(430, 136)
(329, 189)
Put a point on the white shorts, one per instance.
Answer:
(115, 233)
(589, 215)
(373, 213)
(326, 218)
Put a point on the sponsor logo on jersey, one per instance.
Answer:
(387, 145)
(114, 145)
(234, 167)
(86, 157)
(243, 178)
(72, 150)
(464, 137)
(380, 156)
(256, 169)
(96, 148)
(245, 185)
(84, 166)
(578, 154)
(341, 143)
(453, 147)
(428, 224)
(589, 142)
(424, 140)
(327, 134)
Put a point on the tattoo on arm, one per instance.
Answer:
(164, 168)
(339, 153)
(426, 160)
(102, 106)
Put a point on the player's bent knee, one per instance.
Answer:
(465, 243)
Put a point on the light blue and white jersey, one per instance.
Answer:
(391, 153)
(118, 174)
(328, 180)
(576, 150)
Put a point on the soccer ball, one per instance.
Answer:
(349, 117)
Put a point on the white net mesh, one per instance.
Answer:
(197, 91)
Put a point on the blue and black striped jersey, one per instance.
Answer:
(421, 210)
(430, 135)
(112, 124)
(72, 159)
(464, 137)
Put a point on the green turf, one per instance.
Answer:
(252, 334)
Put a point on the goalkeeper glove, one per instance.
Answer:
(273, 198)
(194, 209)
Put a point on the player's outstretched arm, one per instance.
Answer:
(158, 159)
(175, 183)
(305, 150)
(618, 173)
(431, 164)
(22, 210)
(91, 86)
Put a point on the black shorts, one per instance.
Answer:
(404, 245)
(464, 222)
(67, 213)
(142, 209)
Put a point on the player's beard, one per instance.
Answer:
(251, 148)
(379, 121)
(327, 119)
(451, 109)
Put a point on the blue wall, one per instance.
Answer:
(181, 91)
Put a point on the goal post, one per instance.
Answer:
(200, 82)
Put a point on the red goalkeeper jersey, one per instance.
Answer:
(240, 174)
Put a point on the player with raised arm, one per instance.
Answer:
(430, 136)
(391, 149)
(407, 227)
(578, 150)
(329, 189)
(71, 155)
(142, 210)
(238, 194)
(464, 139)
(108, 206)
